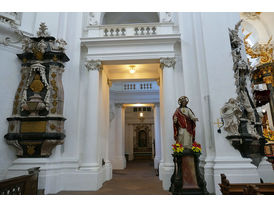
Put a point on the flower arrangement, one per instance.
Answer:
(177, 148)
(196, 147)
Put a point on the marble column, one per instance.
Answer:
(90, 150)
(157, 157)
(168, 106)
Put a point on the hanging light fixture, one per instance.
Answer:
(141, 116)
(132, 69)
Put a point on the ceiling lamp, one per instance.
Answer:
(141, 116)
(132, 69)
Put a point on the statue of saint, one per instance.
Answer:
(184, 123)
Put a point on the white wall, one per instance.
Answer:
(9, 81)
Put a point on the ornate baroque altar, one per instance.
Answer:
(37, 123)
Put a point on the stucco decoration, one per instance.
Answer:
(93, 65)
(167, 62)
(242, 121)
(251, 15)
(167, 17)
(38, 104)
(231, 114)
(92, 19)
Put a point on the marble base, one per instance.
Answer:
(187, 178)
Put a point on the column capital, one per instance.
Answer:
(118, 105)
(167, 62)
(94, 65)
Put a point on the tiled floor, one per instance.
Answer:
(139, 178)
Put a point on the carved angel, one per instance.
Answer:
(231, 114)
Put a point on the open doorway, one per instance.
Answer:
(133, 96)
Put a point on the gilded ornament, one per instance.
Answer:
(23, 76)
(30, 149)
(55, 88)
(53, 75)
(52, 126)
(53, 82)
(11, 127)
(25, 60)
(36, 84)
(55, 58)
(39, 55)
(54, 103)
(268, 79)
(16, 96)
(19, 90)
(263, 52)
(53, 110)
(54, 96)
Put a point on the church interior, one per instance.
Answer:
(136, 103)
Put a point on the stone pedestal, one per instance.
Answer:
(187, 179)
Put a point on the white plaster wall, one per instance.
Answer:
(9, 81)
(64, 156)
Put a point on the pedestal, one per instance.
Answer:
(187, 179)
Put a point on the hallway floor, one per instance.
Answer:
(139, 178)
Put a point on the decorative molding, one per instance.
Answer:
(109, 82)
(10, 18)
(94, 65)
(251, 15)
(119, 105)
(167, 62)
(166, 17)
(92, 19)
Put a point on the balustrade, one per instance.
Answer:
(137, 86)
(134, 30)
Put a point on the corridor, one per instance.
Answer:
(138, 178)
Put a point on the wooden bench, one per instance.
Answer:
(245, 188)
(22, 185)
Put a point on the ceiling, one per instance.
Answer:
(143, 71)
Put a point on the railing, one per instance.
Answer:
(138, 86)
(122, 30)
(22, 185)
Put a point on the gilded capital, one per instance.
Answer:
(94, 65)
(167, 62)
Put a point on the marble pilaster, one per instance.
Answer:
(157, 157)
(90, 154)
(168, 106)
